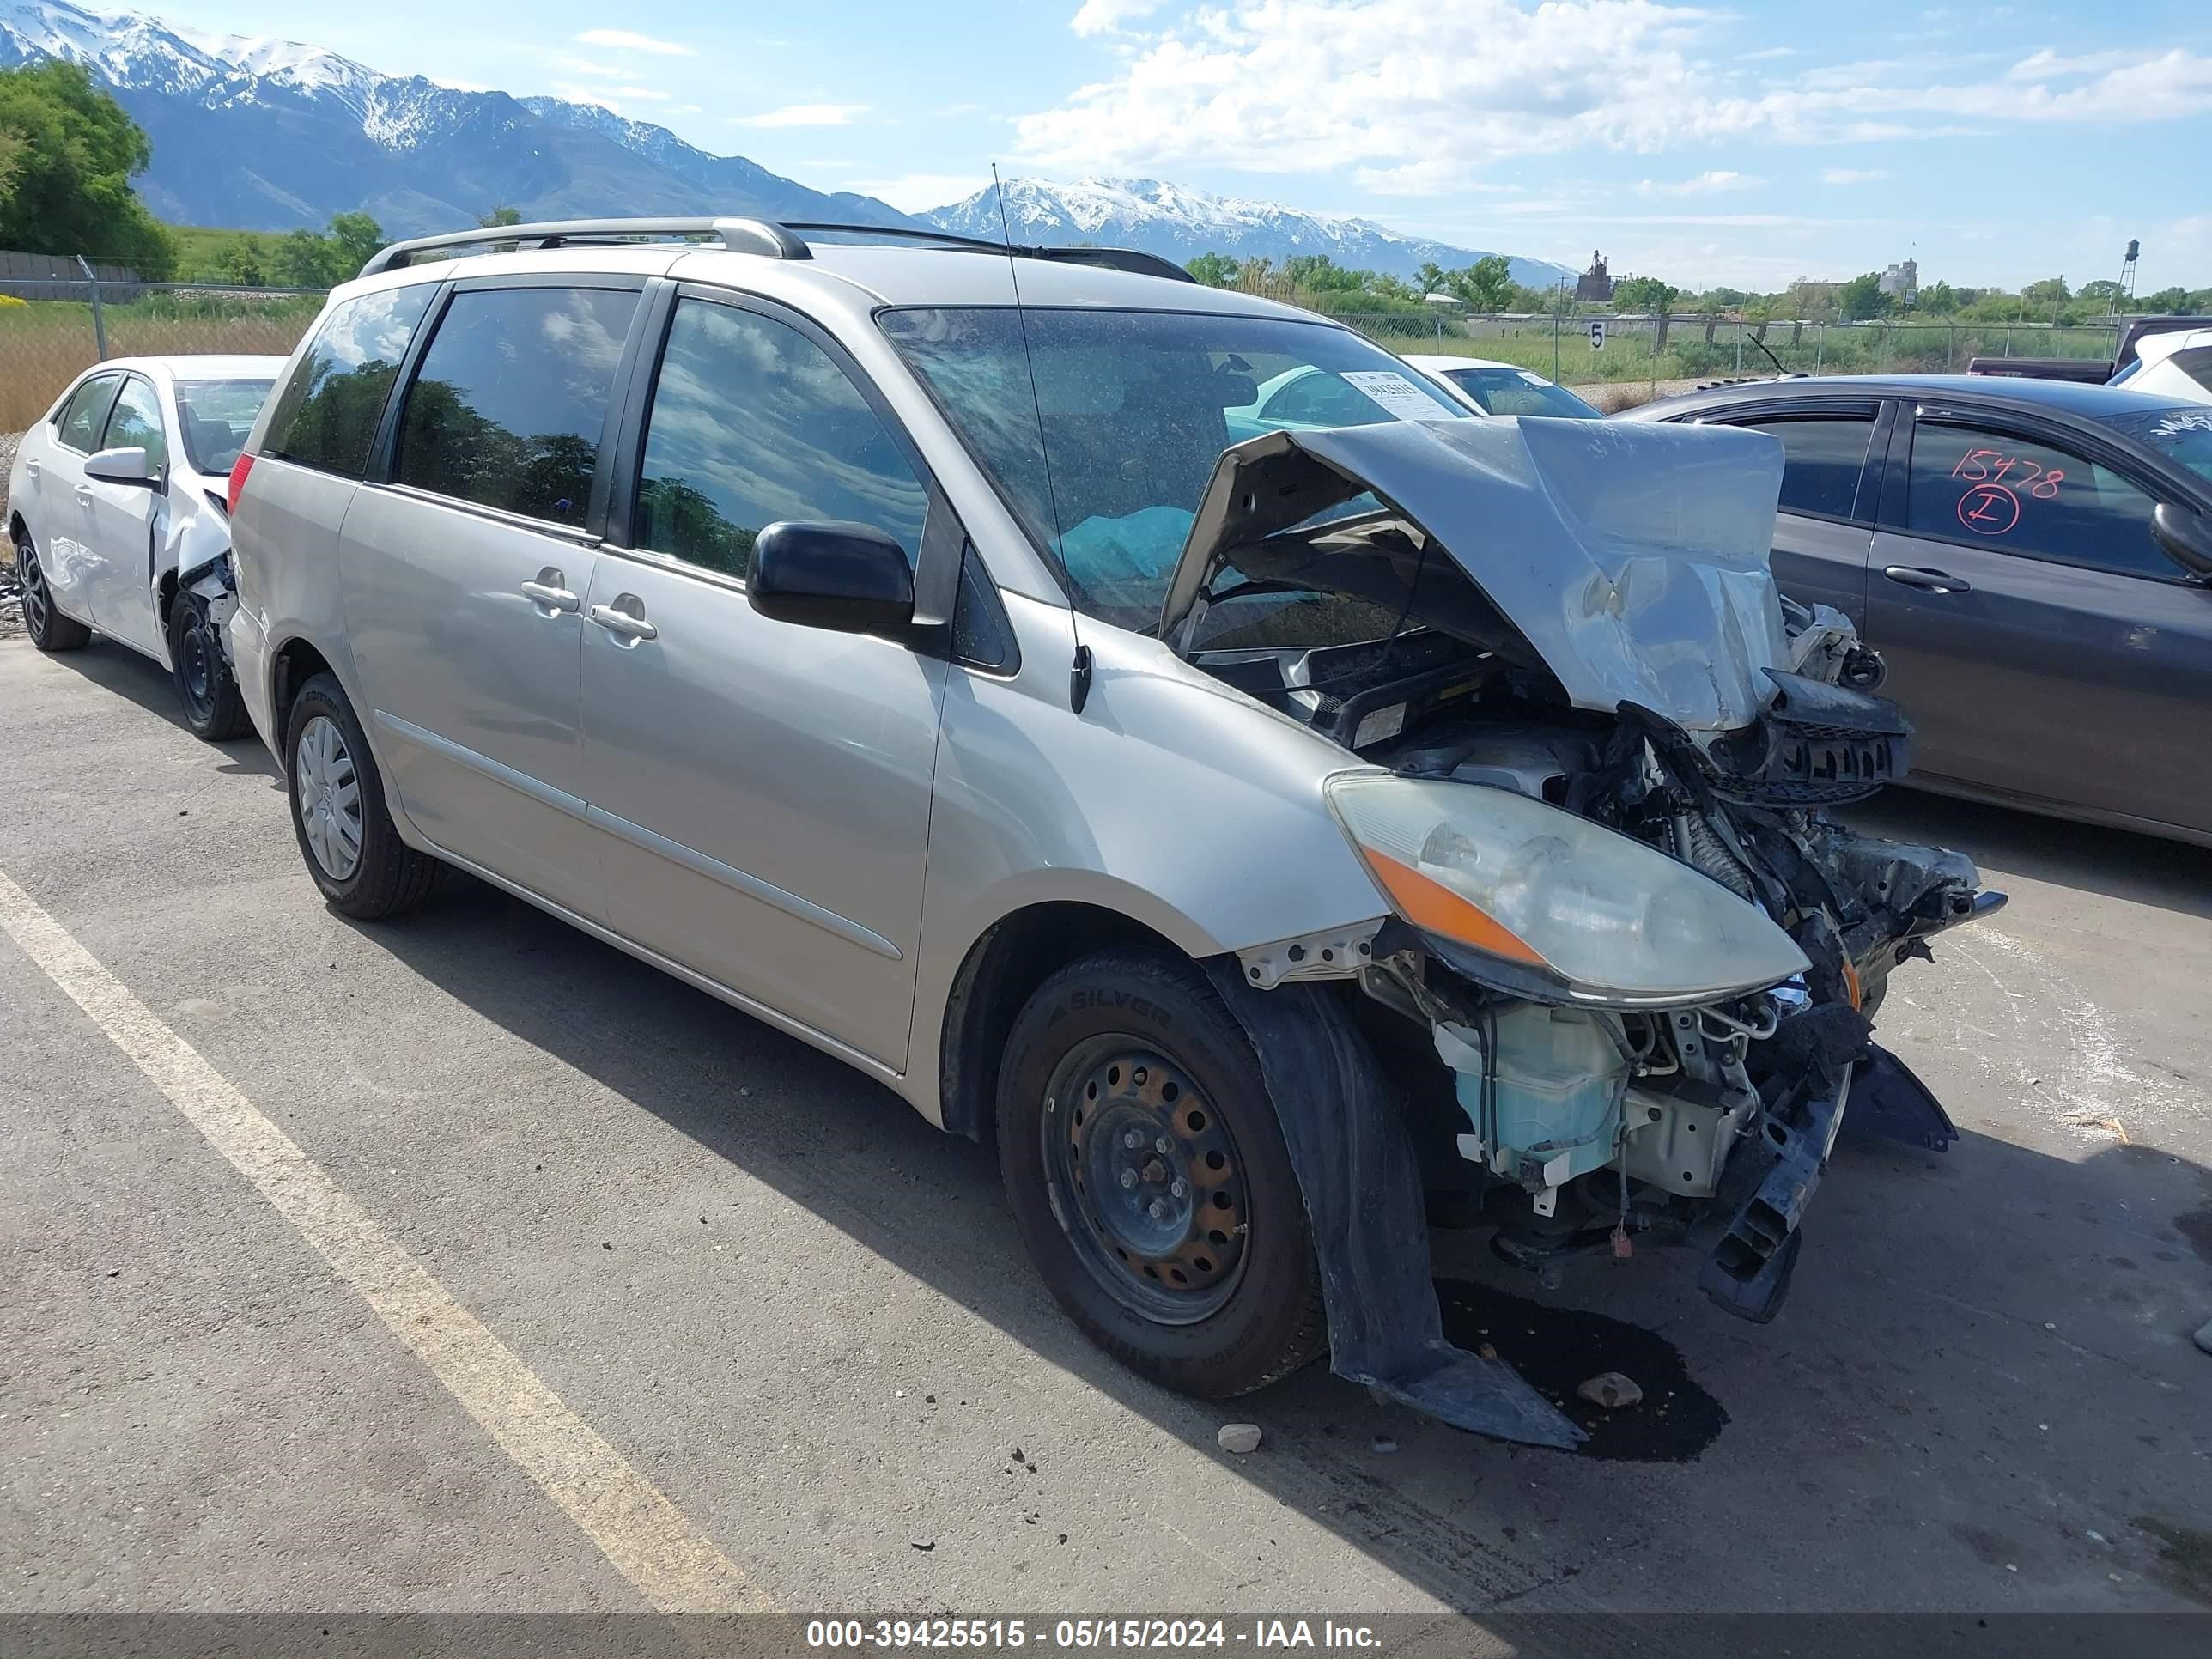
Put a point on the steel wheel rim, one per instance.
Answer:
(327, 789)
(1174, 1257)
(36, 607)
(199, 674)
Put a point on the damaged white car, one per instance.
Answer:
(117, 512)
(1273, 840)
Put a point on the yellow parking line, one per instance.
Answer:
(651, 1542)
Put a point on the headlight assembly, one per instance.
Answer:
(1607, 919)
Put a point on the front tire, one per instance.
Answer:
(1148, 1176)
(345, 832)
(49, 629)
(213, 707)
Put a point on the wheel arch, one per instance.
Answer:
(1001, 969)
(292, 665)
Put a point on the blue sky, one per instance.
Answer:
(1747, 143)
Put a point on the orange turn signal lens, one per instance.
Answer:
(1433, 907)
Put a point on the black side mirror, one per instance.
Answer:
(2186, 536)
(851, 578)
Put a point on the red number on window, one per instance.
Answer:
(1972, 458)
(1989, 509)
(2046, 488)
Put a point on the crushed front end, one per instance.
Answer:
(1626, 990)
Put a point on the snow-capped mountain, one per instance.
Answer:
(267, 134)
(264, 134)
(1181, 224)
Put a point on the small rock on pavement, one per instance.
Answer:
(2204, 1337)
(1611, 1390)
(1239, 1438)
(925, 1544)
(1383, 1443)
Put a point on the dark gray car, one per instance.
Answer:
(2031, 560)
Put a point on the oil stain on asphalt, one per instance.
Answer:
(1556, 1348)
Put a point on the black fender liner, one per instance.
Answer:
(1362, 1187)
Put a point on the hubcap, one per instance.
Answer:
(1145, 1176)
(34, 582)
(328, 793)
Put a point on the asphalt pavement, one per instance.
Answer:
(788, 1307)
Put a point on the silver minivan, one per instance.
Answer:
(1271, 835)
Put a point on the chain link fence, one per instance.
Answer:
(56, 323)
(1645, 356)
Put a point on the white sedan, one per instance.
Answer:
(1493, 388)
(117, 508)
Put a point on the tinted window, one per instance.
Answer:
(215, 417)
(2183, 435)
(509, 405)
(136, 424)
(79, 425)
(752, 422)
(326, 416)
(1970, 485)
(1820, 462)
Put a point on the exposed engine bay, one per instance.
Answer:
(1657, 687)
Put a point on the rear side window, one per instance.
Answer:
(326, 416)
(1821, 461)
(752, 422)
(509, 404)
(136, 424)
(80, 423)
(2014, 494)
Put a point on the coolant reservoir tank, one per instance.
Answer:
(1558, 1071)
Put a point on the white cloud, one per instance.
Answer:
(1853, 175)
(1314, 86)
(645, 93)
(624, 41)
(805, 115)
(1713, 182)
(1107, 16)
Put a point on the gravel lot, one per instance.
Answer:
(799, 1312)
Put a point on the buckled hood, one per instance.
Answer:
(1631, 559)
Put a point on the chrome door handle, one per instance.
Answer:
(622, 624)
(30, 467)
(553, 598)
(84, 492)
(1928, 581)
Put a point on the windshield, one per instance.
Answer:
(2183, 434)
(217, 416)
(1517, 392)
(1136, 408)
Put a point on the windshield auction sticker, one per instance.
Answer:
(1398, 396)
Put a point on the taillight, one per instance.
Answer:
(239, 469)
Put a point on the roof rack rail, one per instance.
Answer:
(763, 236)
(738, 235)
(1111, 258)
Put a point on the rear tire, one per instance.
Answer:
(1213, 1289)
(346, 835)
(49, 629)
(213, 707)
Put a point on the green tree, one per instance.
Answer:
(1647, 294)
(239, 262)
(75, 152)
(499, 216)
(1214, 269)
(1255, 275)
(1429, 278)
(2050, 291)
(1939, 299)
(353, 237)
(1861, 298)
(1485, 285)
